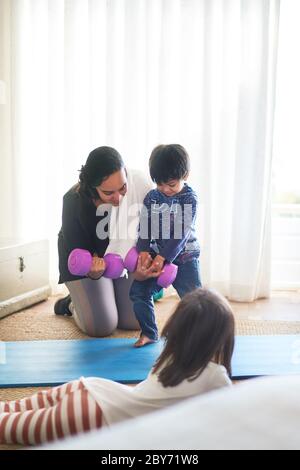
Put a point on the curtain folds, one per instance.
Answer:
(133, 74)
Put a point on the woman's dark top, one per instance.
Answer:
(79, 221)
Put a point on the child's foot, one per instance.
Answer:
(143, 341)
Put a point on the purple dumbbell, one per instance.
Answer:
(80, 262)
(164, 280)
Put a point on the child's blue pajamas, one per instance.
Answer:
(167, 228)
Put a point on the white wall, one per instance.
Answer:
(6, 180)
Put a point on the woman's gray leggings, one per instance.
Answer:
(99, 307)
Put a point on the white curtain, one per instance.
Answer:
(134, 73)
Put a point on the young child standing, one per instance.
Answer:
(166, 235)
(196, 358)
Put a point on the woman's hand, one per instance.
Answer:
(145, 271)
(97, 269)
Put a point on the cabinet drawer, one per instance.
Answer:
(23, 268)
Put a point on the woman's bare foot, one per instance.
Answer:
(143, 341)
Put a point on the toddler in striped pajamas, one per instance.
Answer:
(196, 358)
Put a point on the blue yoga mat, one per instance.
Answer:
(256, 356)
(50, 363)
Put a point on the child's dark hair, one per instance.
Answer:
(169, 162)
(200, 330)
(101, 163)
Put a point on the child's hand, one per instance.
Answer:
(145, 260)
(158, 263)
(143, 273)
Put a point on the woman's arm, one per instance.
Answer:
(74, 234)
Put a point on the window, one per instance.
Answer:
(286, 167)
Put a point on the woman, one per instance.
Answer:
(106, 191)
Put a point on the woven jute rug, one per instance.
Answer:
(40, 323)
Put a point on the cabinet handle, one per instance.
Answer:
(22, 264)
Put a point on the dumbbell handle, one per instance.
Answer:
(164, 280)
(80, 262)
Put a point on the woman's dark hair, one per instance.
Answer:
(101, 163)
(200, 330)
(169, 162)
